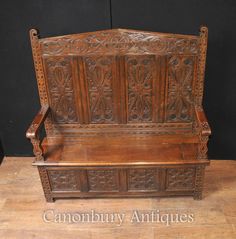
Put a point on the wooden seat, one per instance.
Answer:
(122, 110)
(144, 151)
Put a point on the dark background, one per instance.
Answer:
(19, 100)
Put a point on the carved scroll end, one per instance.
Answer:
(31, 132)
(34, 34)
(203, 32)
(205, 128)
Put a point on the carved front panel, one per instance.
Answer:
(140, 75)
(61, 90)
(142, 179)
(100, 77)
(63, 180)
(103, 180)
(180, 90)
(180, 178)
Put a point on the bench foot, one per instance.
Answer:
(199, 179)
(45, 183)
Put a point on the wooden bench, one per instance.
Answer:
(122, 111)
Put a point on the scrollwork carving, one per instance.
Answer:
(180, 178)
(63, 180)
(140, 74)
(118, 41)
(102, 180)
(180, 99)
(142, 179)
(100, 77)
(59, 76)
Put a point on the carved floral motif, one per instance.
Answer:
(63, 180)
(99, 77)
(140, 74)
(180, 178)
(118, 41)
(142, 179)
(59, 75)
(102, 180)
(180, 97)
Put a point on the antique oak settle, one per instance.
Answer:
(123, 115)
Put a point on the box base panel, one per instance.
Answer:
(118, 181)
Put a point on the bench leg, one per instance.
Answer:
(45, 183)
(199, 179)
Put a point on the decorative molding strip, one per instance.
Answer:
(202, 65)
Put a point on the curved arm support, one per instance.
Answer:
(204, 131)
(33, 131)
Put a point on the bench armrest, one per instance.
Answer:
(204, 131)
(202, 123)
(33, 131)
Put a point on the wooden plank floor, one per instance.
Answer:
(22, 206)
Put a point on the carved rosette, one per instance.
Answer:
(180, 98)
(59, 76)
(180, 178)
(63, 180)
(103, 180)
(142, 179)
(140, 74)
(100, 76)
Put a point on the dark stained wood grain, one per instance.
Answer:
(123, 114)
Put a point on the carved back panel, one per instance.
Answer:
(123, 78)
